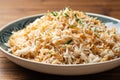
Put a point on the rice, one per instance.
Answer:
(66, 37)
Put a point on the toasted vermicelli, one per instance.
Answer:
(66, 37)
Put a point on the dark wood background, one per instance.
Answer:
(14, 9)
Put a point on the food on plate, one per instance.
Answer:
(66, 37)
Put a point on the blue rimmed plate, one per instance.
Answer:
(73, 69)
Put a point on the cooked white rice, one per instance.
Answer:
(66, 37)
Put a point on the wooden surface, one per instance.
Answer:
(14, 9)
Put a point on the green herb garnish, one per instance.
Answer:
(80, 22)
(77, 19)
(54, 13)
(114, 32)
(95, 29)
(89, 25)
(108, 32)
(63, 46)
(66, 15)
(76, 16)
(68, 42)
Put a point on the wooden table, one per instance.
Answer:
(14, 9)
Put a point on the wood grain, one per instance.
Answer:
(14, 9)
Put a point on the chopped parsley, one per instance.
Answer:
(95, 29)
(114, 32)
(54, 13)
(108, 32)
(68, 42)
(66, 15)
(89, 25)
(80, 22)
(77, 19)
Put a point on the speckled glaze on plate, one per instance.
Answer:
(74, 69)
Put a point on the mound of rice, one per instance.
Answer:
(66, 37)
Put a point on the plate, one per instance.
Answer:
(73, 69)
